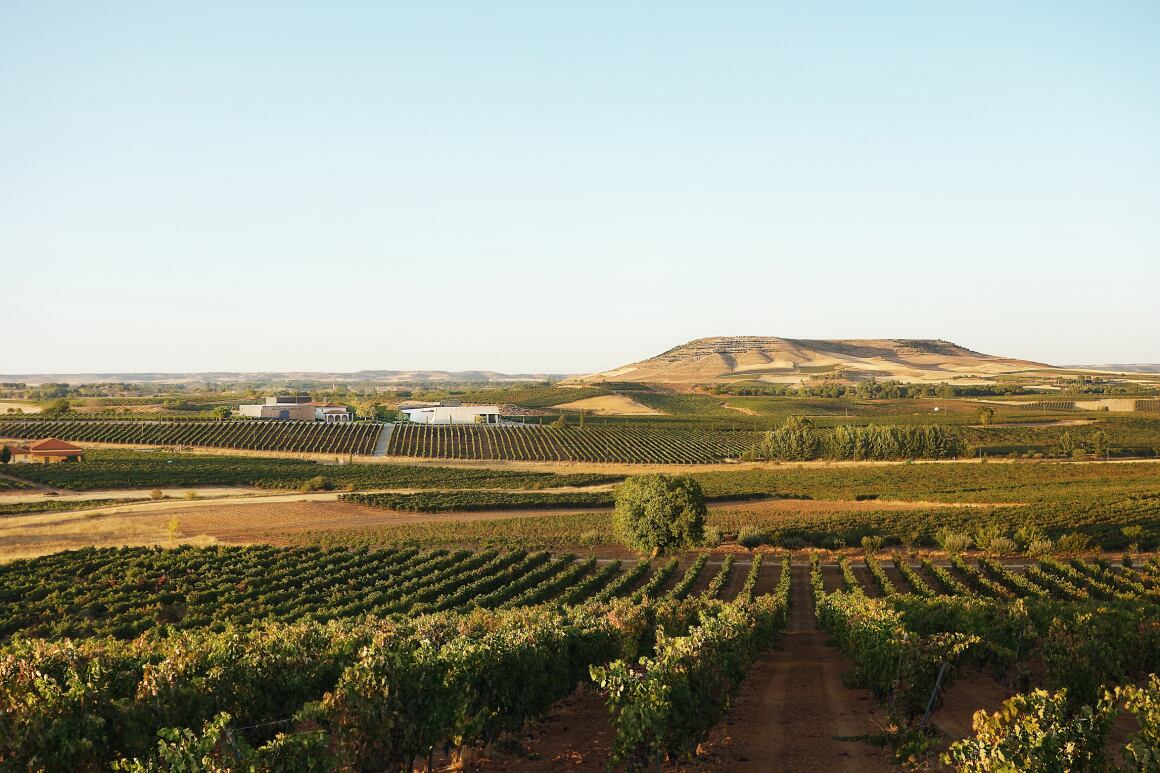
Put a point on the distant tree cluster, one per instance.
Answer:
(871, 389)
(798, 440)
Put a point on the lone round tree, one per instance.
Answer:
(659, 512)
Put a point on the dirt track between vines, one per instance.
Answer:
(793, 714)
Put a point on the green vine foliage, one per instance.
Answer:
(1037, 733)
(664, 705)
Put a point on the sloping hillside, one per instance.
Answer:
(789, 360)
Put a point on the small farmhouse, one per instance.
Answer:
(453, 414)
(296, 408)
(47, 451)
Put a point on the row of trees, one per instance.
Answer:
(871, 389)
(798, 440)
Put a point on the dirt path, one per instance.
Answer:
(968, 693)
(793, 706)
(789, 715)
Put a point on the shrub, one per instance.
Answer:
(156, 494)
(987, 533)
(659, 512)
(1134, 535)
(712, 537)
(1040, 547)
(871, 544)
(953, 541)
(1002, 546)
(589, 537)
(751, 538)
(1074, 543)
(1035, 732)
(317, 483)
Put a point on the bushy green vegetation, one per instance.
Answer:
(1057, 635)
(124, 592)
(125, 469)
(799, 440)
(1040, 731)
(659, 512)
(664, 706)
(332, 690)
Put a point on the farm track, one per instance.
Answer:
(793, 707)
(789, 716)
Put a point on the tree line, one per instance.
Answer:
(799, 440)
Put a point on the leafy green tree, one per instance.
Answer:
(797, 440)
(221, 412)
(1101, 443)
(5, 454)
(986, 415)
(659, 512)
(56, 408)
(1067, 445)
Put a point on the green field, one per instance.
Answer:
(109, 469)
(249, 435)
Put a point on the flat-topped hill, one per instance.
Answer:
(790, 360)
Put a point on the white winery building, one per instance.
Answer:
(453, 414)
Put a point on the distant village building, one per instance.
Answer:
(296, 408)
(452, 414)
(47, 451)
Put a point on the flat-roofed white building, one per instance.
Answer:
(453, 414)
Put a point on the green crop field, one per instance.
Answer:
(289, 436)
(114, 469)
(571, 444)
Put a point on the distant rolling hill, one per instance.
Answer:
(792, 360)
(325, 377)
(1138, 367)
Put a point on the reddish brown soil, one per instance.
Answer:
(869, 584)
(736, 580)
(968, 693)
(768, 577)
(832, 579)
(793, 707)
(791, 714)
(576, 735)
(900, 583)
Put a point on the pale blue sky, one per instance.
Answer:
(567, 187)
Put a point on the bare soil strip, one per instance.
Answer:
(793, 707)
(789, 716)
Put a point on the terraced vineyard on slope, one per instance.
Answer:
(635, 444)
(292, 436)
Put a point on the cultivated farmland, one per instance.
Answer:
(289, 436)
(644, 445)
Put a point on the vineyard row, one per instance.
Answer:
(637, 445)
(249, 435)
